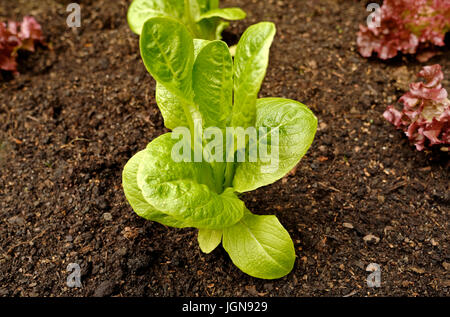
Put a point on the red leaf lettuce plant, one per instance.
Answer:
(406, 25)
(426, 110)
(15, 36)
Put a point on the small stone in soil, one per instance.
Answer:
(370, 238)
(106, 288)
(268, 286)
(16, 220)
(107, 216)
(347, 225)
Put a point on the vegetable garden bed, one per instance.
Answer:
(82, 108)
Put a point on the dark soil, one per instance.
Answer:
(80, 110)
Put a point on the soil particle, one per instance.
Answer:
(107, 216)
(370, 238)
(105, 289)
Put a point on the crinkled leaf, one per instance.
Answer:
(260, 246)
(135, 198)
(425, 117)
(201, 17)
(296, 126)
(224, 13)
(406, 26)
(142, 10)
(170, 105)
(171, 108)
(221, 26)
(213, 84)
(208, 240)
(16, 36)
(183, 190)
(250, 64)
(167, 49)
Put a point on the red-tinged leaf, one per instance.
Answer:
(406, 26)
(425, 117)
(30, 32)
(15, 36)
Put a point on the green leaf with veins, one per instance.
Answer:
(224, 13)
(208, 240)
(185, 191)
(296, 126)
(260, 246)
(171, 108)
(167, 50)
(140, 11)
(134, 195)
(202, 18)
(170, 105)
(250, 64)
(213, 84)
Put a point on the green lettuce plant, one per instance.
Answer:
(200, 86)
(203, 18)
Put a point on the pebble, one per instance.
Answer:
(16, 220)
(106, 288)
(121, 252)
(268, 286)
(347, 225)
(124, 96)
(107, 216)
(370, 238)
(323, 148)
(417, 270)
(102, 204)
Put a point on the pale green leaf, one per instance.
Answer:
(221, 26)
(142, 10)
(260, 246)
(208, 240)
(167, 50)
(250, 64)
(213, 84)
(213, 4)
(296, 126)
(171, 108)
(224, 13)
(170, 105)
(185, 190)
(135, 198)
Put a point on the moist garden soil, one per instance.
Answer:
(83, 106)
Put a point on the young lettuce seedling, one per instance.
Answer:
(201, 88)
(203, 18)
